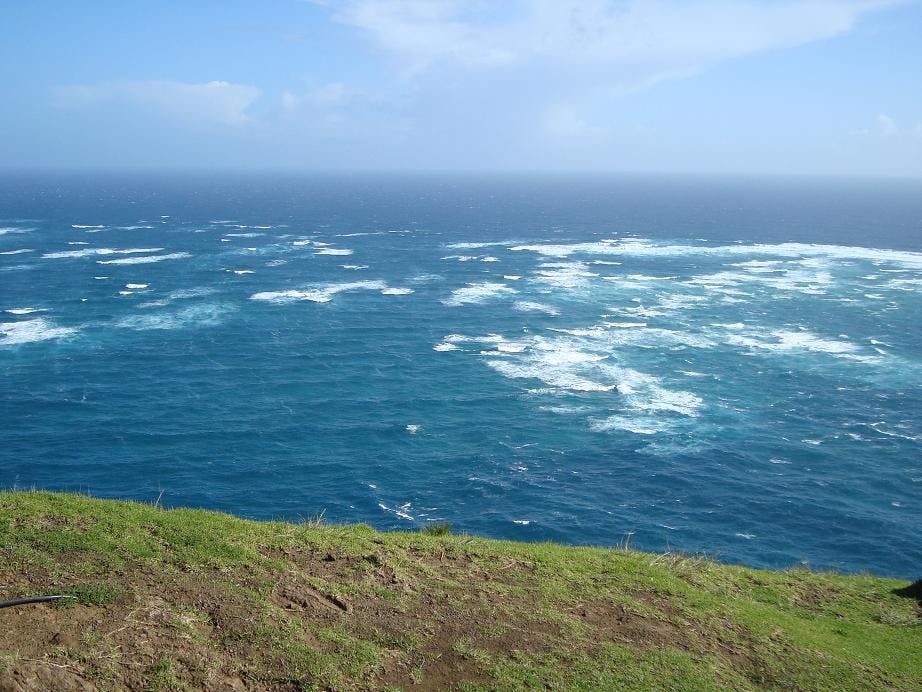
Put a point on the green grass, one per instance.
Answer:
(184, 599)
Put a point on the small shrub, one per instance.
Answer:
(439, 528)
(894, 617)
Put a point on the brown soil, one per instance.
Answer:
(213, 632)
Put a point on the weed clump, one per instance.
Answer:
(439, 528)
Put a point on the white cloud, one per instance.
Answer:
(205, 103)
(614, 43)
(329, 96)
(565, 121)
(886, 125)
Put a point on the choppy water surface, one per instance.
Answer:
(729, 367)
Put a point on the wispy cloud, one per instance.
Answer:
(614, 43)
(204, 103)
(886, 126)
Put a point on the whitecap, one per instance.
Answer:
(193, 316)
(559, 378)
(25, 311)
(338, 252)
(88, 252)
(529, 306)
(645, 277)
(507, 347)
(17, 252)
(639, 426)
(403, 511)
(580, 362)
(184, 293)
(660, 399)
(904, 284)
(475, 246)
(413, 429)
(355, 267)
(565, 410)
(638, 247)
(322, 294)
(29, 331)
(396, 291)
(792, 341)
(136, 285)
(477, 293)
(10, 230)
(146, 260)
(77, 225)
(569, 275)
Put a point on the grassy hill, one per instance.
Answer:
(187, 599)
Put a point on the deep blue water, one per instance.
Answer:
(730, 366)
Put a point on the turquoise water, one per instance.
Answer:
(712, 365)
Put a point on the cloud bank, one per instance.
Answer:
(208, 103)
(616, 43)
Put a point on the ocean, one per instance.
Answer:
(728, 366)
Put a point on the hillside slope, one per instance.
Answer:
(187, 599)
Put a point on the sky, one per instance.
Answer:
(666, 86)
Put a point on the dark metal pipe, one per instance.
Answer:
(33, 599)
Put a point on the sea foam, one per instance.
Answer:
(89, 252)
(193, 316)
(150, 259)
(29, 331)
(638, 247)
(323, 294)
(477, 293)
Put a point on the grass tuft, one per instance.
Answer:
(439, 528)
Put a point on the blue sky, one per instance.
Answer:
(676, 86)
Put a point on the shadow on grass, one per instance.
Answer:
(914, 590)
